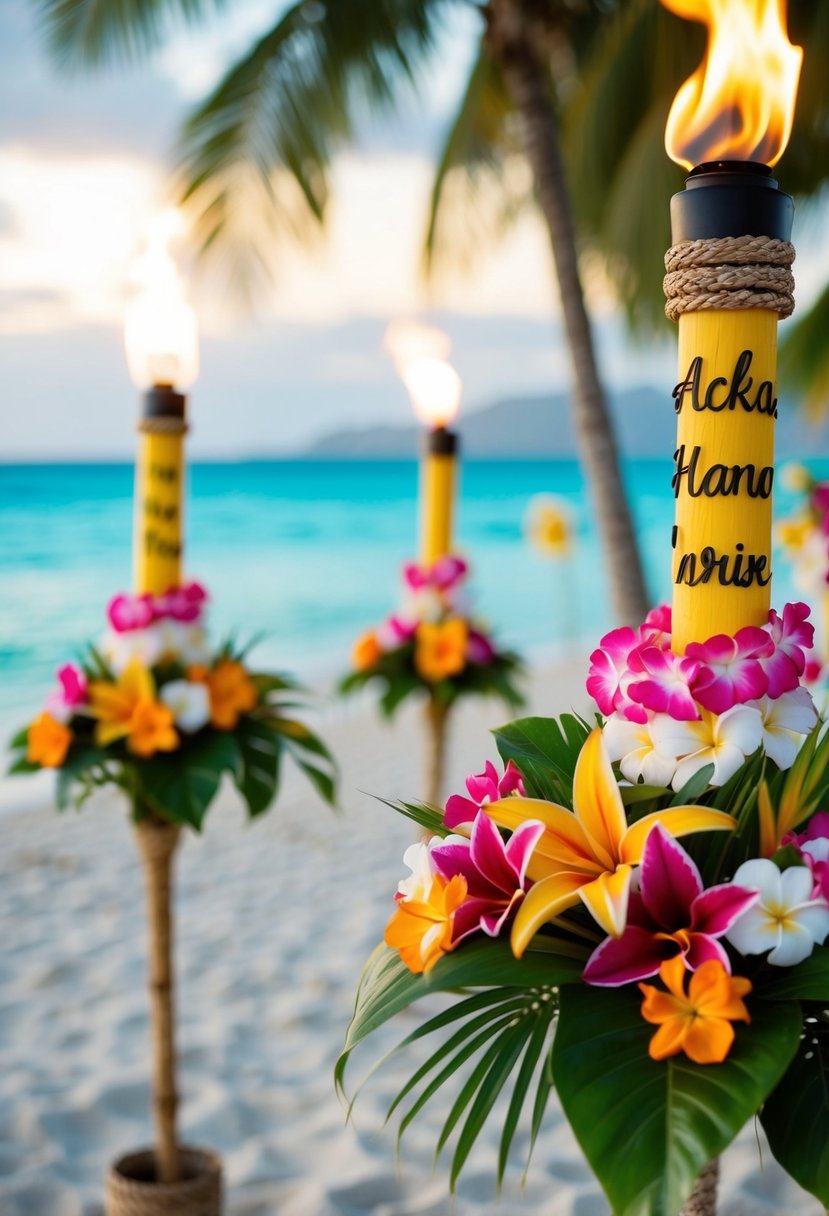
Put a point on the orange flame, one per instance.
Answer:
(739, 103)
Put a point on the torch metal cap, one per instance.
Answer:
(441, 442)
(731, 198)
(162, 401)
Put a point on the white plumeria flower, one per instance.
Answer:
(418, 858)
(723, 740)
(786, 921)
(785, 722)
(632, 744)
(119, 649)
(189, 702)
(809, 565)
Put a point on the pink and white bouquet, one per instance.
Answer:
(633, 911)
(433, 643)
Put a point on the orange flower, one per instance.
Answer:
(366, 652)
(127, 709)
(152, 730)
(440, 650)
(698, 1023)
(48, 741)
(232, 692)
(421, 929)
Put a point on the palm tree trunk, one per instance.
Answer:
(157, 843)
(517, 46)
(703, 1199)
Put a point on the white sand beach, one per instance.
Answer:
(274, 923)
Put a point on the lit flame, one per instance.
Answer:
(420, 354)
(160, 328)
(739, 103)
(435, 389)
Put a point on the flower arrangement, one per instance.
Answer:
(641, 927)
(432, 644)
(158, 713)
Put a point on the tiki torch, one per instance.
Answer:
(435, 389)
(728, 284)
(161, 340)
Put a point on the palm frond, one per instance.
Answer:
(82, 32)
(480, 183)
(255, 155)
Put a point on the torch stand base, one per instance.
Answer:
(132, 1190)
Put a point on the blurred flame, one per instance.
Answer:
(408, 340)
(160, 328)
(420, 355)
(739, 103)
(435, 389)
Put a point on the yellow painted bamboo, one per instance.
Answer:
(721, 523)
(159, 495)
(437, 491)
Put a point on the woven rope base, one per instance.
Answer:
(131, 1189)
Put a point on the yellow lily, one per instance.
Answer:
(588, 853)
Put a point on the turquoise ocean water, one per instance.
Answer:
(306, 553)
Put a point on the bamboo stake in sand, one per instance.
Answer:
(437, 715)
(157, 843)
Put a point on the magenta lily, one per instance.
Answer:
(483, 788)
(495, 873)
(71, 694)
(479, 648)
(671, 915)
(730, 672)
(813, 846)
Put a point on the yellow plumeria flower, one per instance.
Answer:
(127, 708)
(588, 853)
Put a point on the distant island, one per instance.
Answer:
(523, 428)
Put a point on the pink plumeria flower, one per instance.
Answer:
(479, 648)
(792, 636)
(672, 914)
(415, 577)
(657, 626)
(813, 846)
(483, 788)
(186, 603)
(395, 632)
(495, 873)
(128, 612)
(730, 672)
(661, 682)
(71, 694)
(447, 572)
(609, 677)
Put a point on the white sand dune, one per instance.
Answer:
(274, 923)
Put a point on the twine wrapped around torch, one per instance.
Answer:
(734, 272)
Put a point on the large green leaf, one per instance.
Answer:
(257, 775)
(796, 1116)
(808, 981)
(647, 1127)
(77, 771)
(181, 785)
(545, 750)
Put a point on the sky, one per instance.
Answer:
(84, 166)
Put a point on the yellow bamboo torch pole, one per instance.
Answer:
(438, 476)
(159, 492)
(728, 283)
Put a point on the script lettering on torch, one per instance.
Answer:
(698, 475)
(162, 533)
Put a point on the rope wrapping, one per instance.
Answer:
(703, 1199)
(162, 426)
(735, 272)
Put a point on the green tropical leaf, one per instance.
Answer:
(807, 981)
(92, 31)
(257, 774)
(76, 771)
(796, 1116)
(647, 1127)
(181, 785)
(545, 750)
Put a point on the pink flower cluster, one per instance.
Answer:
(130, 612)
(70, 694)
(635, 671)
(432, 594)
